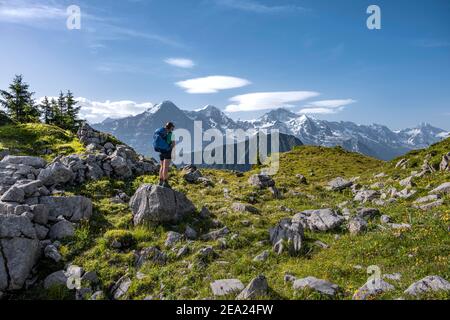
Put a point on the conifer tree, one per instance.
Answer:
(19, 103)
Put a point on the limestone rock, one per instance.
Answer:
(322, 286)
(156, 204)
(256, 288)
(428, 284)
(226, 286)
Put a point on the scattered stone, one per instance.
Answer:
(385, 219)
(258, 287)
(408, 182)
(152, 254)
(393, 276)
(399, 226)
(263, 256)
(315, 284)
(321, 244)
(242, 207)
(61, 230)
(289, 278)
(357, 225)
(56, 279)
(442, 189)
(431, 197)
(319, 220)
(226, 286)
(429, 206)
(372, 288)
(287, 233)
(428, 284)
(275, 192)
(261, 181)
(184, 250)
(402, 163)
(366, 195)
(301, 179)
(190, 233)
(216, 234)
(52, 252)
(339, 184)
(121, 287)
(445, 163)
(367, 213)
(156, 204)
(173, 238)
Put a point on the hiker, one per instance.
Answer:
(163, 142)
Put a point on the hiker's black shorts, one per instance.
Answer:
(165, 156)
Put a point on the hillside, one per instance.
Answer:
(416, 245)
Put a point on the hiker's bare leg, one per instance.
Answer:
(161, 171)
(166, 169)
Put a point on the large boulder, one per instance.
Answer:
(73, 208)
(428, 284)
(19, 251)
(56, 173)
(319, 220)
(287, 233)
(156, 204)
(34, 162)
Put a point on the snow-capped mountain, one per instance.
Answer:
(374, 140)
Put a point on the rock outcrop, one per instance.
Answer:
(155, 204)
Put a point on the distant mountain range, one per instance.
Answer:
(373, 140)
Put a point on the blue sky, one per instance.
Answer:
(243, 56)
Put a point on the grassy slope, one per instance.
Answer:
(417, 253)
(33, 138)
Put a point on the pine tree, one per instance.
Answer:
(56, 115)
(72, 111)
(47, 111)
(19, 103)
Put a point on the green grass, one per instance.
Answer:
(35, 138)
(416, 253)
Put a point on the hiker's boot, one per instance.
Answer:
(161, 183)
(166, 185)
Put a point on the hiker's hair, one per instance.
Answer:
(169, 125)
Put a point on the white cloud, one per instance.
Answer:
(212, 84)
(326, 106)
(96, 111)
(267, 100)
(331, 103)
(256, 7)
(16, 12)
(180, 62)
(318, 111)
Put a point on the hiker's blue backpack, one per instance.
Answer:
(159, 141)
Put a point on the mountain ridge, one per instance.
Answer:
(374, 140)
